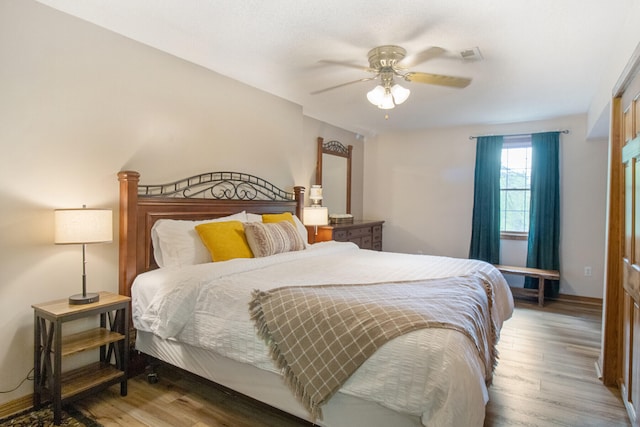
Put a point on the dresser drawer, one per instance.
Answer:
(365, 242)
(340, 235)
(359, 232)
(365, 234)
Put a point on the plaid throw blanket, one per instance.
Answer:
(319, 335)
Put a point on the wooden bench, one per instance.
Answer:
(538, 273)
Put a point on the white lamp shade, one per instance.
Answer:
(316, 216)
(400, 94)
(315, 192)
(376, 95)
(74, 226)
(387, 102)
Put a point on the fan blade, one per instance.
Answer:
(420, 57)
(437, 79)
(342, 85)
(347, 64)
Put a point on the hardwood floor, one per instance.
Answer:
(546, 376)
(179, 399)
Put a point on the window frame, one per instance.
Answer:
(515, 141)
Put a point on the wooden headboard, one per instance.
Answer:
(209, 195)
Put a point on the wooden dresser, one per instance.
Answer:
(365, 234)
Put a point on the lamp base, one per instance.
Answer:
(79, 299)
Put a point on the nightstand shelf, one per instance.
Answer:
(88, 377)
(87, 340)
(110, 339)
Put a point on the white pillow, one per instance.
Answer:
(251, 217)
(302, 230)
(176, 242)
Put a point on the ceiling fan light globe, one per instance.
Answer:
(387, 102)
(400, 94)
(376, 95)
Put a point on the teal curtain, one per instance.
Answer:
(544, 217)
(485, 225)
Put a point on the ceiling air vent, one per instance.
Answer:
(471, 55)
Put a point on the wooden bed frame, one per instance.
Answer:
(209, 196)
(203, 196)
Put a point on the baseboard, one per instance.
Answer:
(15, 406)
(576, 299)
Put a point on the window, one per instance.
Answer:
(515, 185)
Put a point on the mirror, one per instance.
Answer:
(333, 172)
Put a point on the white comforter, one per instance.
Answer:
(434, 374)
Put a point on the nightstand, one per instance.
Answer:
(111, 337)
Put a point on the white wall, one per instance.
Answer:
(627, 41)
(77, 105)
(421, 184)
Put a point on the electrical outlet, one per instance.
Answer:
(587, 271)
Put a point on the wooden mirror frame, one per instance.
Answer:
(335, 148)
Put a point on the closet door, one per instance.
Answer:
(630, 381)
(619, 362)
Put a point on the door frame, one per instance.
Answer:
(610, 361)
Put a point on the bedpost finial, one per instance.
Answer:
(128, 176)
(298, 192)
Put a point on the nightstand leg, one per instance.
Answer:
(37, 351)
(103, 354)
(123, 322)
(57, 373)
(43, 369)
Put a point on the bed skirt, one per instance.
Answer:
(341, 411)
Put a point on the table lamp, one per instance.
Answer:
(83, 226)
(315, 195)
(315, 216)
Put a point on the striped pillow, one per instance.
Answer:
(272, 238)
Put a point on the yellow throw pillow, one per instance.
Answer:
(225, 240)
(284, 216)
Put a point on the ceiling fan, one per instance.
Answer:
(389, 62)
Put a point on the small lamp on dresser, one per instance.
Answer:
(315, 195)
(83, 226)
(315, 216)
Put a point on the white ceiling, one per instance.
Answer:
(542, 58)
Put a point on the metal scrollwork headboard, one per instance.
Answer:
(218, 186)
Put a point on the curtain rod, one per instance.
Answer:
(521, 134)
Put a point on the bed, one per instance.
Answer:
(212, 318)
